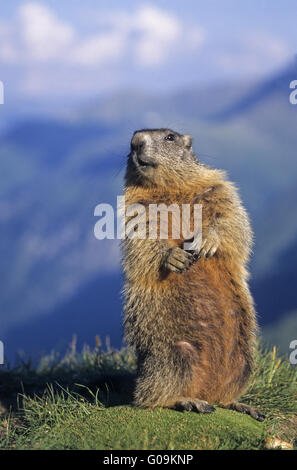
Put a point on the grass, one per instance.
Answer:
(83, 401)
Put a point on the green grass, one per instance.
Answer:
(83, 401)
(71, 424)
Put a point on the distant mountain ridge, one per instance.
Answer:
(277, 87)
(53, 172)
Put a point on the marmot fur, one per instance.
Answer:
(189, 315)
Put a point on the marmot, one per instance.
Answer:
(189, 315)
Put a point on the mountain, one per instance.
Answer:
(281, 333)
(52, 177)
(57, 279)
(92, 310)
(275, 90)
(276, 293)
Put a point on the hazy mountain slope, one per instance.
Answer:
(54, 172)
(94, 309)
(282, 332)
(274, 90)
(47, 216)
(276, 292)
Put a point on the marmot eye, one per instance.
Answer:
(170, 137)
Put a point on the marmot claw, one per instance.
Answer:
(178, 260)
(209, 245)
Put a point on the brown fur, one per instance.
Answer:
(193, 332)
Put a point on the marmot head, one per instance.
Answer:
(160, 156)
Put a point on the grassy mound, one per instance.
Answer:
(72, 424)
(83, 401)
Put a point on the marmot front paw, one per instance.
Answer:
(209, 245)
(178, 260)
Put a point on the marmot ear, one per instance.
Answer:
(187, 141)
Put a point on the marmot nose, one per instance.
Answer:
(137, 144)
(140, 146)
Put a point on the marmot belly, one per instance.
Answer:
(202, 315)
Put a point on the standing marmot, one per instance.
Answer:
(189, 315)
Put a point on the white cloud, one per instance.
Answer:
(98, 49)
(127, 46)
(44, 35)
(8, 53)
(147, 36)
(158, 33)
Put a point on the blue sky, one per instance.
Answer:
(69, 48)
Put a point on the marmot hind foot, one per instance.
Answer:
(193, 404)
(247, 409)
